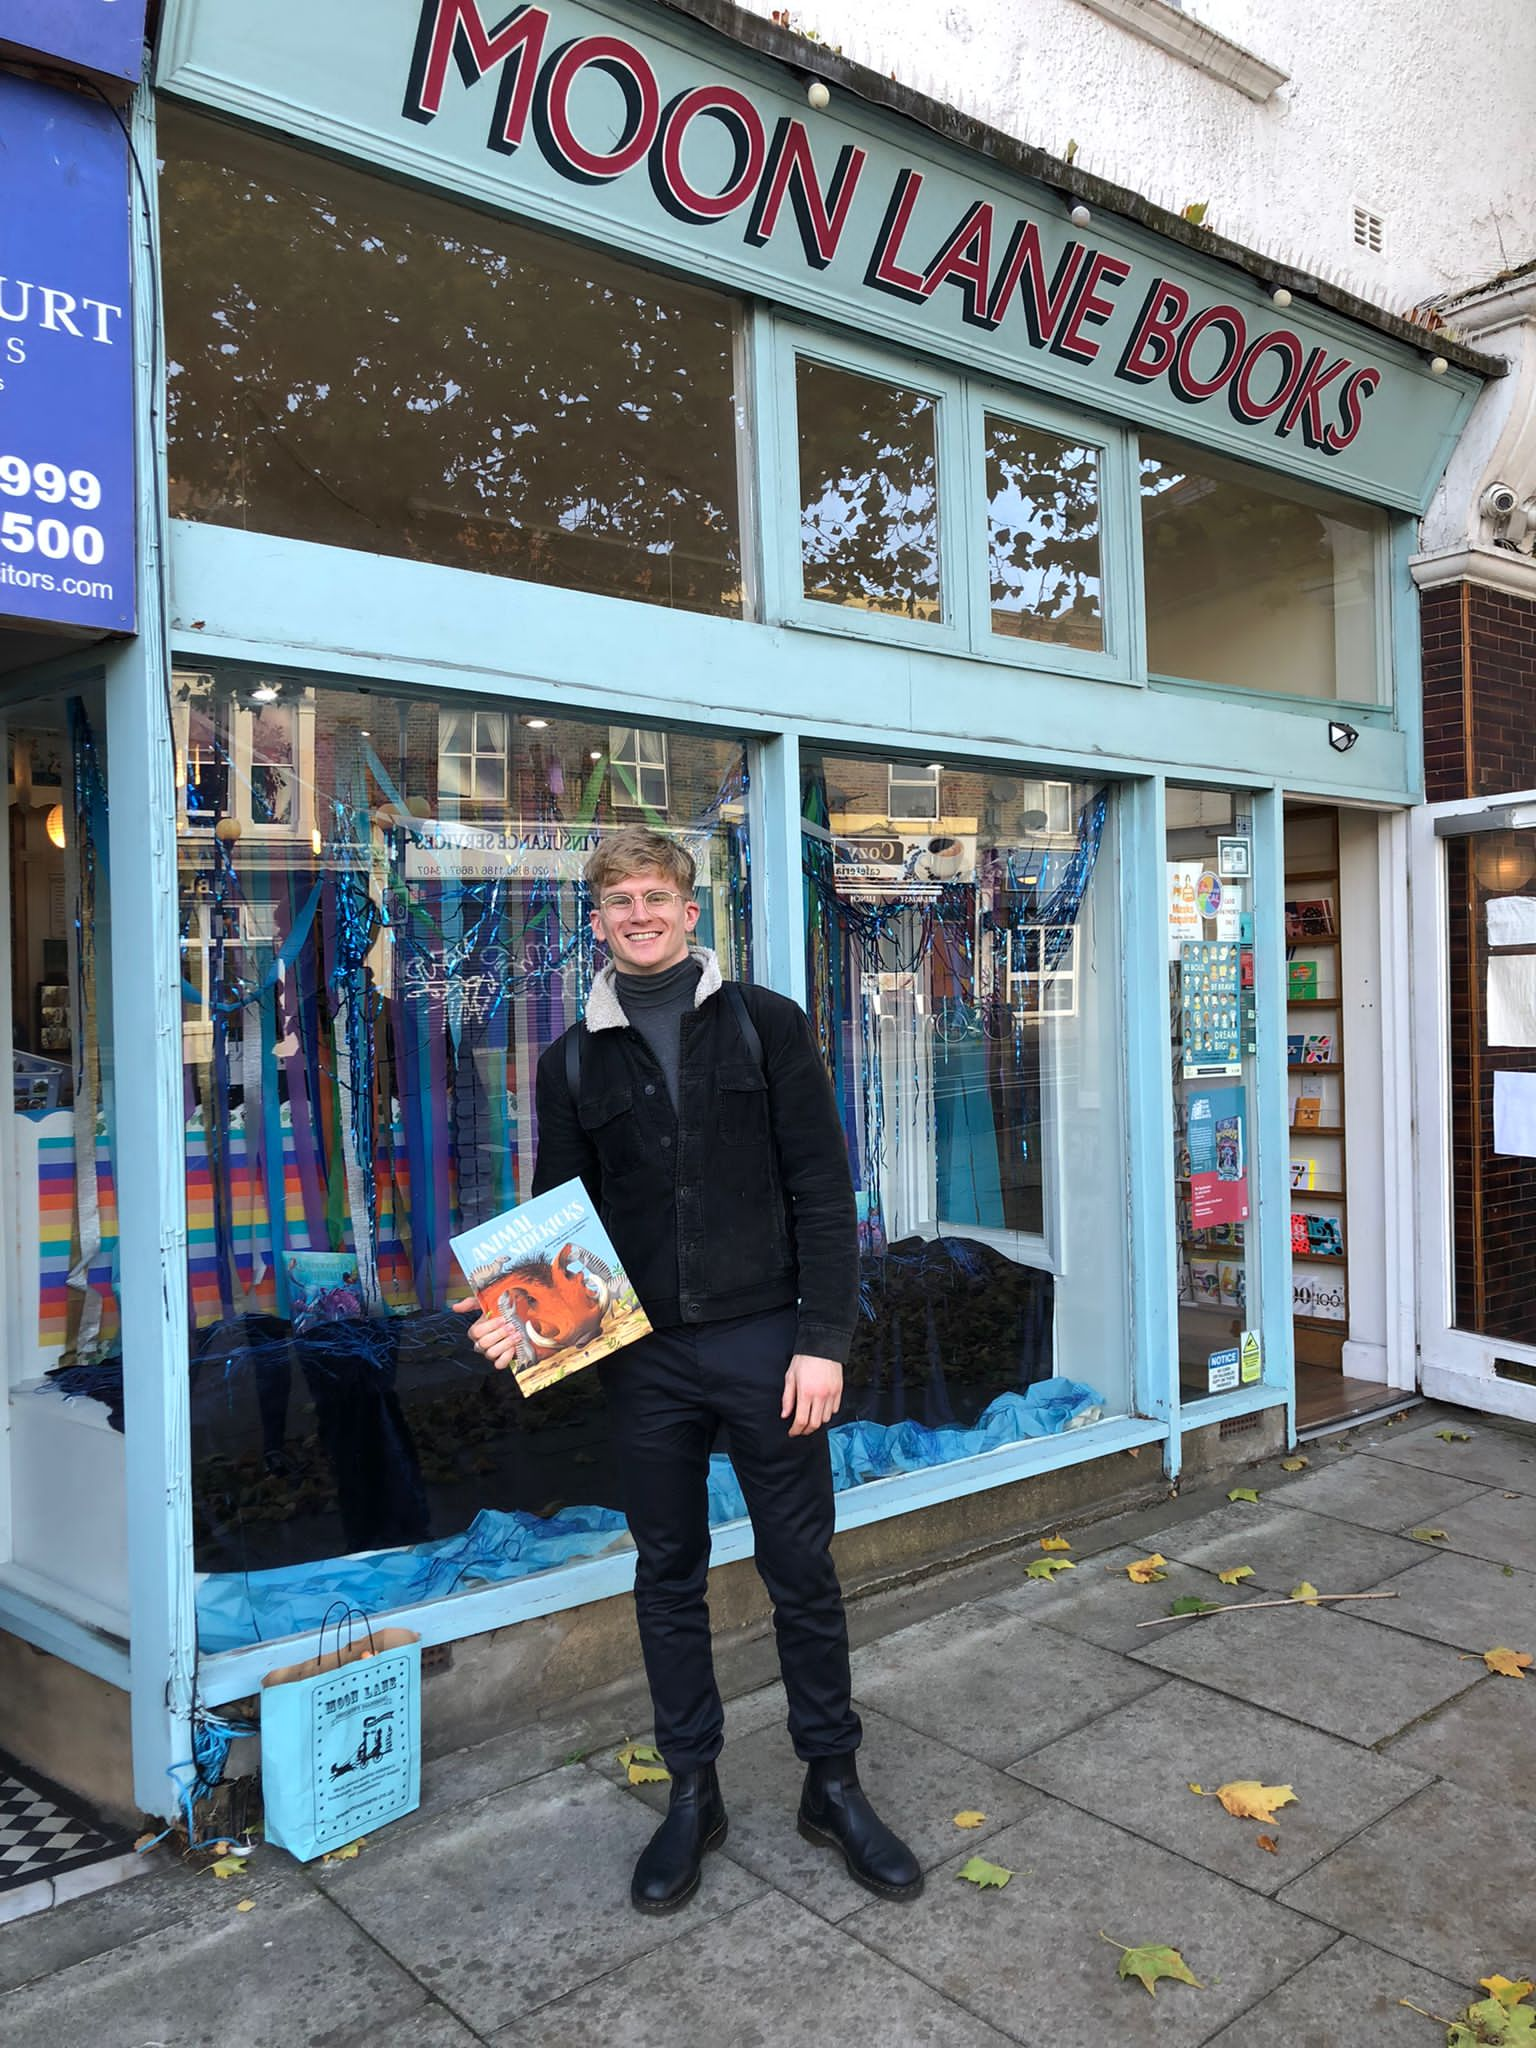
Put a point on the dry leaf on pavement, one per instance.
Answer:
(230, 1866)
(1150, 1963)
(1306, 1593)
(1429, 1535)
(1293, 1464)
(648, 1774)
(969, 1819)
(246, 1906)
(1247, 1799)
(1268, 1844)
(1508, 1991)
(637, 1753)
(1048, 1567)
(1508, 1663)
(1054, 1543)
(979, 1872)
(1145, 1571)
(1243, 1493)
(1453, 1436)
(1235, 1577)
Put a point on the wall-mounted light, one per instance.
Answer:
(1505, 863)
(1341, 737)
(1080, 217)
(817, 96)
(265, 693)
(536, 724)
(595, 754)
(1438, 366)
(53, 825)
(1280, 296)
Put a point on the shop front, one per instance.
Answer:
(1003, 596)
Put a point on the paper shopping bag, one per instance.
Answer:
(340, 1748)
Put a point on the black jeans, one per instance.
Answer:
(666, 1395)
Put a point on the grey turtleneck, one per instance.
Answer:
(656, 1005)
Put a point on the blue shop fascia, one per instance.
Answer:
(634, 414)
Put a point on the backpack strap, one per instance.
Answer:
(573, 1063)
(744, 1024)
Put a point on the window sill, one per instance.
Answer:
(1195, 44)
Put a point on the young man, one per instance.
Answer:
(701, 1120)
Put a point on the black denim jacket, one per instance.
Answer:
(737, 1202)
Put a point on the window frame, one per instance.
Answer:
(475, 756)
(617, 758)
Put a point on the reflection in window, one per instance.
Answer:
(352, 363)
(1043, 536)
(638, 760)
(869, 518)
(365, 999)
(1256, 582)
(963, 986)
(912, 792)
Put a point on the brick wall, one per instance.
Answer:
(1479, 656)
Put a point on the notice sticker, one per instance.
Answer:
(1222, 1371)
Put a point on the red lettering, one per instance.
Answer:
(791, 172)
(1153, 344)
(1240, 397)
(1023, 269)
(886, 272)
(1303, 407)
(1351, 405)
(1186, 384)
(745, 126)
(453, 29)
(1102, 269)
(966, 260)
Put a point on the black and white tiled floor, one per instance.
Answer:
(43, 1833)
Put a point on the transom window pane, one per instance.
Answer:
(638, 764)
(1254, 581)
(354, 363)
(869, 518)
(1043, 560)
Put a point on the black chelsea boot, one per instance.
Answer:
(667, 1874)
(835, 1813)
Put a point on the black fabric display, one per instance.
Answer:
(666, 1396)
(656, 1005)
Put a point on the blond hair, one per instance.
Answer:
(633, 850)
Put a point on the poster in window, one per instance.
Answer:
(1218, 1163)
(1211, 1006)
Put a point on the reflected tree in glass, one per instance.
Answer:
(354, 363)
(1043, 561)
(869, 522)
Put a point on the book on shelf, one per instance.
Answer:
(1308, 918)
(1205, 1282)
(549, 1270)
(1232, 1281)
(1307, 1112)
(1295, 1046)
(1317, 1051)
(1301, 981)
(1320, 1237)
(1303, 1173)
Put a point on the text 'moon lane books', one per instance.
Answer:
(549, 1269)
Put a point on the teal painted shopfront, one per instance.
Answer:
(553, 420)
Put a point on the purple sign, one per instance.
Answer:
(66, 362)
(102, 36)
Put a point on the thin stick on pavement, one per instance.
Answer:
(1247, 1606)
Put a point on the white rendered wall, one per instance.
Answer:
(1419, 110)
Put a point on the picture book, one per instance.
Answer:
(1234, 1284)
(1325, 1240)
(1309, 918)
(1300, 1241)
(549, 1270)
(1318, 1050)
(1303, 1173)
(1308, 1113)
(1295, 1045)
(1205, 1282)
(1301, 981)
(323, 1287)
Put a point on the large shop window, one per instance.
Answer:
(1256, 582)
(376, 948)
(1210, 880)
(355, 363)
(964, 981)
(61, 1323)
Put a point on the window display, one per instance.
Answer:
(964, 985)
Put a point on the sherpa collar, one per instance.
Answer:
(604, 1011)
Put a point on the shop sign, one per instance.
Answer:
(103, 37)
(1222, 1370)
(676, 147)
(887, 863)
(444, 850)
(66, 363)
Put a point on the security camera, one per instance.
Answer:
(1498, 501)
(1341, 737)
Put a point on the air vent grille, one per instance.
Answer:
(1369, 229)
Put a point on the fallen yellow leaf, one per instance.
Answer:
(649, 1774)
(1306, 1593)
(1054, 1543)
(1198, 1790)
(1248, 1493)
(1507, 1991)
(1247, 1799)
(1268, 1844)
(246, 1906)
(347, 1854)
(969, 1819)
(979, 1872)
(1235, 1577)
(637, 1753)
(228, 1866)
(1146, 1571)
(1293, 1464)
(1150, 1963)
(1508, 1663)
(1048, 1567)
(1428, 1535)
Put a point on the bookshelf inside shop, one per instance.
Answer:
(1315, 1062)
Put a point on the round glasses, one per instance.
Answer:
(653, 900)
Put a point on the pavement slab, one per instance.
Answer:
(1284, 1546)
(1135, 1767)
(917, 1785)
(1099, 1603)
(1375, 1493)
(1028, 1958)
(522, 1898)
(1485, 1741)
(1352, 1994)
(1446, 1881)
(1495, 1527)
(1491, 1457)
(744, 1716)
(771, 1974)
(300, 1976)
(1315, 1666)
(1460, 1600)
(992, 1684)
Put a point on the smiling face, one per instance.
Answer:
(644, 922)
